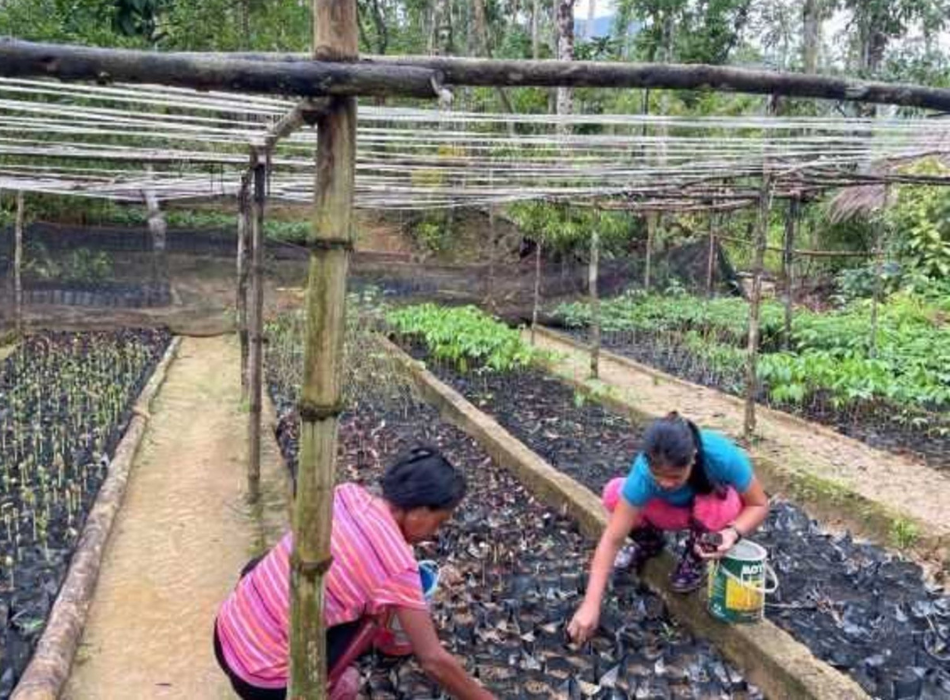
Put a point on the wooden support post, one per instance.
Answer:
(158, 230)
(711, 257)
(751, 380)
(243, 246)
(651, 235)
(18, 264)
(256, 333)
(594, 305)
(330, 242)
(878, 276)
(537, 288)
(788, 254)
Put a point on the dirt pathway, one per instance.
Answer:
(897, 482)
(180, 539)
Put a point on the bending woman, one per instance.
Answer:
(685, 479)
(374, 577)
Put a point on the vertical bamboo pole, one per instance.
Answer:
(711, 257)
(330, 241)
(537, 288)
(256, 333)
(878, 274)
(761, 229)
(791, 223)
(651, 235)
(18, 264)
(594, 304)
(243, 233)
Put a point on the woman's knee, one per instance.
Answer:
(716, 510)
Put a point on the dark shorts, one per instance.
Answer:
(339, 638)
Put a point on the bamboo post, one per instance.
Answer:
(256, 333)
(711, 257)
(537, 289)
(878, 274)
(18, 264)
(751, 381)
(594, 305)
(788, 254)
(330, 242)
(243, 234)
(651, 235)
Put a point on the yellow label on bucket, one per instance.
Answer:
(743, 597)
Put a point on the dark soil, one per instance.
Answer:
(855, 606)
(65, 401)
(518, 570)
(872, 424)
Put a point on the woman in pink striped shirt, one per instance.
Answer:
(373, 579)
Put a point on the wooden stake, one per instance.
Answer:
(878, 274)
(651, 235)
(537, 289)
(331, 240)
(18, 264)
(788, 259)
(158, 230)
(256, 332)
(711, 257)
(243, 245)
(594, 305)
(751, 379)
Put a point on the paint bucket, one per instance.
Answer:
(739, 582)
(429, 580)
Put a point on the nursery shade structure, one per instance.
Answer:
(120, 140)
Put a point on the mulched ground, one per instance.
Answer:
(853, 605)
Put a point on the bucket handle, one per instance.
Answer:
(764, 589)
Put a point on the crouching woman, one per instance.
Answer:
(374, 578)
(685, 479)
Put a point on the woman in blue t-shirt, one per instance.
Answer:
(685, 479)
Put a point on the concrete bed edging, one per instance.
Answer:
(825, 498)
(46, 674)
(780, 666)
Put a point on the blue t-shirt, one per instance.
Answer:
(726, 464)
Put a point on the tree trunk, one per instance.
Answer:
(481, 29)
(565, 52)
(791, 222)
(256, 360)
(243, 246)
(18, 264)
(751, 379)
(594, 305)
(440, 41)
(811, 39)
(331, 239)
(535, 35)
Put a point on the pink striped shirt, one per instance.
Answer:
(373, 571)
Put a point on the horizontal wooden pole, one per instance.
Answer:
(551, 73)
(20, 59)
(421, 76)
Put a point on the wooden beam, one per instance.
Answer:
(305, 112)
(243, 247)
(422, 76)
(758, 265)
(330, 241)
(594, 305)
(20, 59)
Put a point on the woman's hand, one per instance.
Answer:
(728, 538)
(584, 623)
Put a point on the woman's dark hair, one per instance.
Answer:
(672, 441)
(423, 478)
